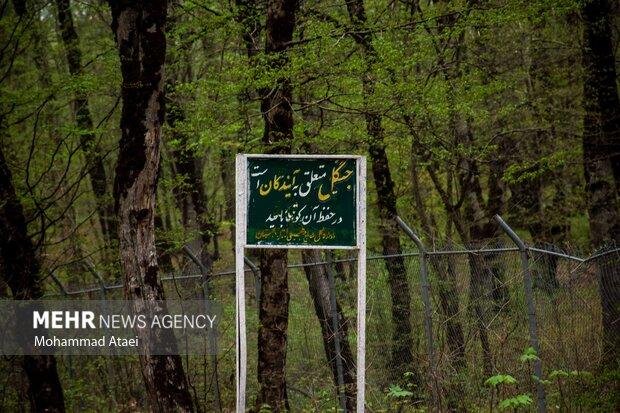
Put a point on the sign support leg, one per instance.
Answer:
(361, 329)
(241, 344)
(361, 287)
(241, 337)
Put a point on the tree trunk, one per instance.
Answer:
(486, 272)
(318, 285)
(139, 31)
(278, 135)
(190, 170)
(273, 330)
(443, 267)
(601, 158)
(402, 340)
(84, 123)
(40, 49)
(482, 279)
(21, 271)
(187, 164)
(247, 15)
(227, 174)
(449, 301)
(547, 224)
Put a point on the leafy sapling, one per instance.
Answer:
(516, 402)
(497, 381)
(529, 356)
(561, 377)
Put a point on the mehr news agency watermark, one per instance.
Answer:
(115, 327)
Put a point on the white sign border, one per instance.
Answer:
(241, 189)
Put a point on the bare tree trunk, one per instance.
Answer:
(139, 31)
(547, 223)
(227, 168)
(277, 138)
(478, 303)
(482, 281)
(601, 158)
(402, 340)
(319, 291)
(84, 123)
(187, 164)
(40, 58)
(189, 169)
(444, 270)
(273, 330)
(20, 268)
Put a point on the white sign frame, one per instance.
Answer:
(241, 189)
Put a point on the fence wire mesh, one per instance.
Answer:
(478, 313)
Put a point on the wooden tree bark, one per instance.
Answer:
(20, 269)
(601, 159)
(139, 30)
(277, 137)
(402, 357)
(84, 123)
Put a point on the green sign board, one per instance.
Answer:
(299, 201)
(296, 201)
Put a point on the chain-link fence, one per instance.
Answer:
(439, 323)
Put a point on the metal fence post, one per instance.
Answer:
(102, 286)
(62, 288)
(531, 311)
(426, 299)
(206, 291)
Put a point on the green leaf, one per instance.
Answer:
(529, 354)
(538, 379)
(558, 373)
(500, 379)
(398, 392)
(515, 402)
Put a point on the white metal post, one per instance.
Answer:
(361, 284)
(240, 228)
